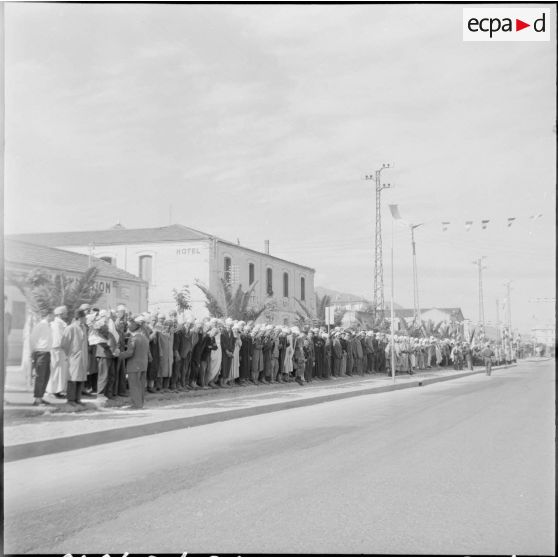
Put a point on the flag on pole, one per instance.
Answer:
(468, 225)
(395, 212)
(510, 221)
(484, 223)
(445, 225)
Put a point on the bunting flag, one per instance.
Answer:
(468, 224)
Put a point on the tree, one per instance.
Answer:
(229, 304)
(43, 292)
(182, 299)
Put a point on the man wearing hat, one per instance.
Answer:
(40, 344)
(121, 326)
(337, 355)
(227, 350)
(319, 343)
(58, 380)
(137, 357)
(487, 355)
(75, 347)
(245, 355)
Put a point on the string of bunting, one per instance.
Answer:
(484, 222)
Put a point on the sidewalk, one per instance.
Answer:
(33, 431)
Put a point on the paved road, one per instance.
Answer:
(461, 467)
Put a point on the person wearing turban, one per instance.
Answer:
(59, 374)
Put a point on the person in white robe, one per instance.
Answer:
(59, 375)
(215, 358)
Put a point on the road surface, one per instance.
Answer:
(459, 467)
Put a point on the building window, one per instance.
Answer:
(227, 275)
(146, 268)
(251, 273)
(302, 288)
(108, 259)
(269, 281)
(285, 284)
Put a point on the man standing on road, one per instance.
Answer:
(137, 358)
(41, 344)
(487, 355)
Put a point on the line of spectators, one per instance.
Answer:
(104, 354)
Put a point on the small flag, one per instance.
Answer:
(484, 223)
(445, 225)
(468, 225)
(395, 212)
(510, 221)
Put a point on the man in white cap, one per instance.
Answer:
(58, 380)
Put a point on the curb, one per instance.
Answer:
(80, 441)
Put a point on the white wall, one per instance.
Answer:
(174, 264)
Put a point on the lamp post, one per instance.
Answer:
(418, 320)
(478, 263)
(395, 216)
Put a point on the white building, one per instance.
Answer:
(20, 258)
(170, 257)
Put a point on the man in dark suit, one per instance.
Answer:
(227, 348)
(137, 357)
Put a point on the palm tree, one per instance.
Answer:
(44, 293)
(229, 304)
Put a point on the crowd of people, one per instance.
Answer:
(102, 354)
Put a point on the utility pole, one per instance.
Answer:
(478, 263)
(378, 295)
(417, 317)
(497, 322)
(508, 306)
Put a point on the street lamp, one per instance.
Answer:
(395, 216)
(418, 320)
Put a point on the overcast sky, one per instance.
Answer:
(260, 122)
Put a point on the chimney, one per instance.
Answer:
(266, 249)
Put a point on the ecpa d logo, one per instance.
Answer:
(506, 24)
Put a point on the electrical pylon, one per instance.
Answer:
(378, 294)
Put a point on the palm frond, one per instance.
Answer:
(305, 311)
(212, 303)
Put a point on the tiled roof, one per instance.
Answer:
(118, 235)
(121, 235)
(24, 253)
